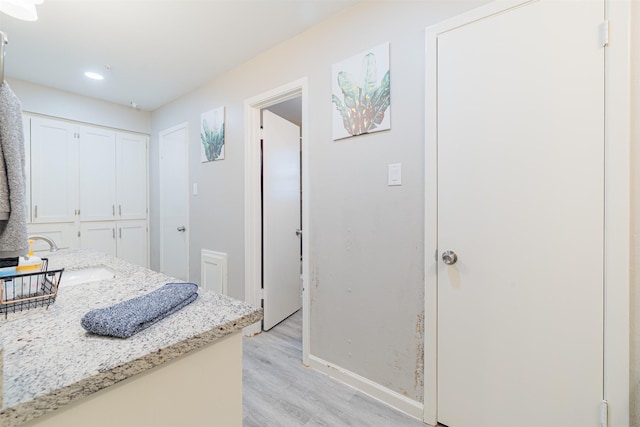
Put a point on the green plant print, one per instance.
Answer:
(364, 106)
(212, 140)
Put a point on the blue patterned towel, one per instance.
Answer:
(131, 316)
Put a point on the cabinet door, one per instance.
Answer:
(132, 242)
(97, 174)
(99, 236)
(54, 171)
(131, 169)
(65, 235)
(26, 124)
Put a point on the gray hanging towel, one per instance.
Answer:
(13, 205)
(131, 316)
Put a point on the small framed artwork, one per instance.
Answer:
(212, 135)
(362, 93)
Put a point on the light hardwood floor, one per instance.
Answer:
(278, 391)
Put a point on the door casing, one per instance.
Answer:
(617, 205)
(253, 215)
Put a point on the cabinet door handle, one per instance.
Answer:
(120, 210)
(35, 214)
(114, 232)
(120, 232)
(113, 209)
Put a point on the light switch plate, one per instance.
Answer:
(394, 174)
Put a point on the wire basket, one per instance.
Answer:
(30, 290)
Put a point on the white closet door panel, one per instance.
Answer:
(97, 174)
(132, 176)
(99, 236)
(54, 171)
(132, 242)
(26, 124)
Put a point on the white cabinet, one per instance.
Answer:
(88, 187)
(131, 176)
(65, 234)
(123, 239)
(113, 175)
(54, 171)
(132, 240)
(100, 236)
(26, 124)
(97, 174)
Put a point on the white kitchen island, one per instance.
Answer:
(185, 370)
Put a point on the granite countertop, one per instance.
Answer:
(50, 360)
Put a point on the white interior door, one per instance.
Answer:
(280, 219)
(521, 201)
(174, 202)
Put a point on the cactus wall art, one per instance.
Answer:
(212, 135)
(362, 93)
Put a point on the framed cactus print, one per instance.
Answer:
(362, 93)
(212, 135)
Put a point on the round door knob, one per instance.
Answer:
(449, 257)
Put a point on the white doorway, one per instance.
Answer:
(516, 182)
(174, 201)
(253, 199)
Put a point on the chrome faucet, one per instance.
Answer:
(52, 245)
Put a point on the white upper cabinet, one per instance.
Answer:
(26, 124)
(131, 176)
(54, 171)
(113, 175)
(97, 174)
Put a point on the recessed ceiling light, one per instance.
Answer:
(94, 76)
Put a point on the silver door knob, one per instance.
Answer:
(449, 257)
(181, 228)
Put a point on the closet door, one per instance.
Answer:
(97, 174)
(131, 167)
(26, 124)
(99, 236)
(54, 171)
(132, 242)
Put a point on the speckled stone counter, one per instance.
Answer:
(51, 361)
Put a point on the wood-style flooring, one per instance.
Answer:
(279, 391)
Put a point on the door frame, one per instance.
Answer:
(253, 214)
(617, 239)
(161, 134)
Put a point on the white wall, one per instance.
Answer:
(635, 217)
(367, 248)
(53, 102)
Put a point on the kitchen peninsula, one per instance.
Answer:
(184, 370)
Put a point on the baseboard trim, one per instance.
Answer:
(368, 387)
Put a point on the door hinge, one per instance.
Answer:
(604, 33)
(261, 296)
(604, 413)
(78, 234)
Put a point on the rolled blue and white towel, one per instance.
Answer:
(129, 317)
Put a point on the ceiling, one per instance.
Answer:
(156, 50)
